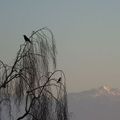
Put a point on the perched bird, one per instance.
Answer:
(3, 85)
(26, 39)
(59, 79)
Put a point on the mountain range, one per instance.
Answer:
(101, 103)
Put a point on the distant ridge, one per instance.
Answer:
(101, 103)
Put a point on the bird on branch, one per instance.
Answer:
(59, 80)
(3, 85)
(27, 39)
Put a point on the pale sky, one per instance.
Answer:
(87, 34)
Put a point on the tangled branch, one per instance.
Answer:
(34, 80)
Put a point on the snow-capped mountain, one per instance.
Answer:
(102, 91)
(96, 104)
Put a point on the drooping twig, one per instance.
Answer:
(34, 80)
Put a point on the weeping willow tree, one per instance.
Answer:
(33, 82)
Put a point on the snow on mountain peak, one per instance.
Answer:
(101, 91)
(107, 88)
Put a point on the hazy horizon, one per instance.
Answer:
(86, 32)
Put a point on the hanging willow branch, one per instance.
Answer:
(32, 85)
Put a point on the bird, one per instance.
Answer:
(59, 80)
(3, 85)
(27, 39)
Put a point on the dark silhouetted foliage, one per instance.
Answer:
(33, 81)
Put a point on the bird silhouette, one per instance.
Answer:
(3, 85)
(26, 39)
(59, 79)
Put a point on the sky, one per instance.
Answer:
(87, 34)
